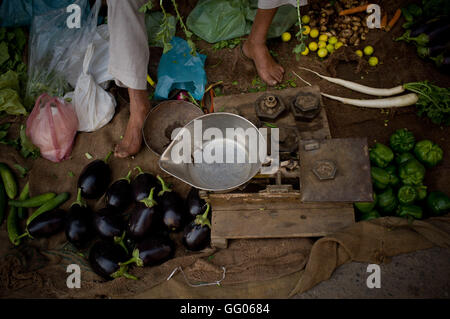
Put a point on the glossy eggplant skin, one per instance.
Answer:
(47, 224)
(172, 210)
(196, 237)
(104, 258)
(108, 223)
(119, 194)
(94, 179)
(142, 184)
(79, 227)
(155, 251)
(141, 220)
(194, 203)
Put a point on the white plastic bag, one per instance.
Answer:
(94, 106)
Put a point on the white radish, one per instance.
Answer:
(397, 101)
(359, 87)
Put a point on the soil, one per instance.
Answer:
(399, 64)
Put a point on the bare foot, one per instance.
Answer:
(269, 71)
(132, 140)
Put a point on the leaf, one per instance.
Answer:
(22, 170)
(71, 174)
(27, 148)
(4, 55)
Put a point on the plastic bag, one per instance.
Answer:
(94, 106)
(52, 126)
(17, 13)
(217, 20)
(56, 52)
(178, 69)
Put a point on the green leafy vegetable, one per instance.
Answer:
(22, 170)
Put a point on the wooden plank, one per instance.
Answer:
(258, 201)
(311, 222)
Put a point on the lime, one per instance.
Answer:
(373, 61)
(359, 53)
(322, 53)
(306, 19)
(314, 33)
(330, 48)
(286, 36)
(368, 50)
(313, 46)
(307, 30)
(322, 44)
(323, 37)
(333, 40)
(338, 45)
(305, 52)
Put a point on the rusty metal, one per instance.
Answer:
(269, 106)
(338, 171)
(306, 106)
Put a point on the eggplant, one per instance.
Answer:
(95, 178)
(105, 258)
(433, 50)
(197, 234)
(427, 27)
(194, 203)
(142, 184)
(172, 207)
(79, 229)
(119, 194)
(110, 225)
(151, 252)
(441, 60)
(46, 224)
(142, 217)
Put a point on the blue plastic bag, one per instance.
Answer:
(18, 13)
(178, 69)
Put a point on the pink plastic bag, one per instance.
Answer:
(52, 126)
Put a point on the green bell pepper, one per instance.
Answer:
(402, 141)
(403, 158)
(387, 202)
(421, 192)
(393, 179)
(407, 195)
(409, 211)
(373, 214)
(438, 203)
(412, 172)
(380, 177)
(381, 155)
(366, 207)
(428, 153)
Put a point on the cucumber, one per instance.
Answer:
(35, 201)
(3, 202)
(8, 180)
(49, 205)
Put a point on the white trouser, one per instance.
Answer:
(270, 4)
(128, 48)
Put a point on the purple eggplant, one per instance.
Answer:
(172, 207)
(437, 35)
(142, 217)
(142, 184)
(119, 194)
(197, 234)
(95, 178)
(194, 203)
(105, 258)
(151, 252)
(46, 224)
(109, 225)
(432, 51)
(79, 228)
(427, 27)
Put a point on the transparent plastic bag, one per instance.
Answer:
(52, 126)
(56, 51)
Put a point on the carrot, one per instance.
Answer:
(394, 20)
(354, 10)
(384, 21)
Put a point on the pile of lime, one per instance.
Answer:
(368, 52)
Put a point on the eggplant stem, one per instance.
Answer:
(164, 187)
(119, 241)
(139, 169)
(25, 234)
(108, 156)
(122, 272)
(79, 200)
(149, 201)
(134, 259)
(203, 220)
(128, 177)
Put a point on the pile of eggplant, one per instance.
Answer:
(133, 227)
